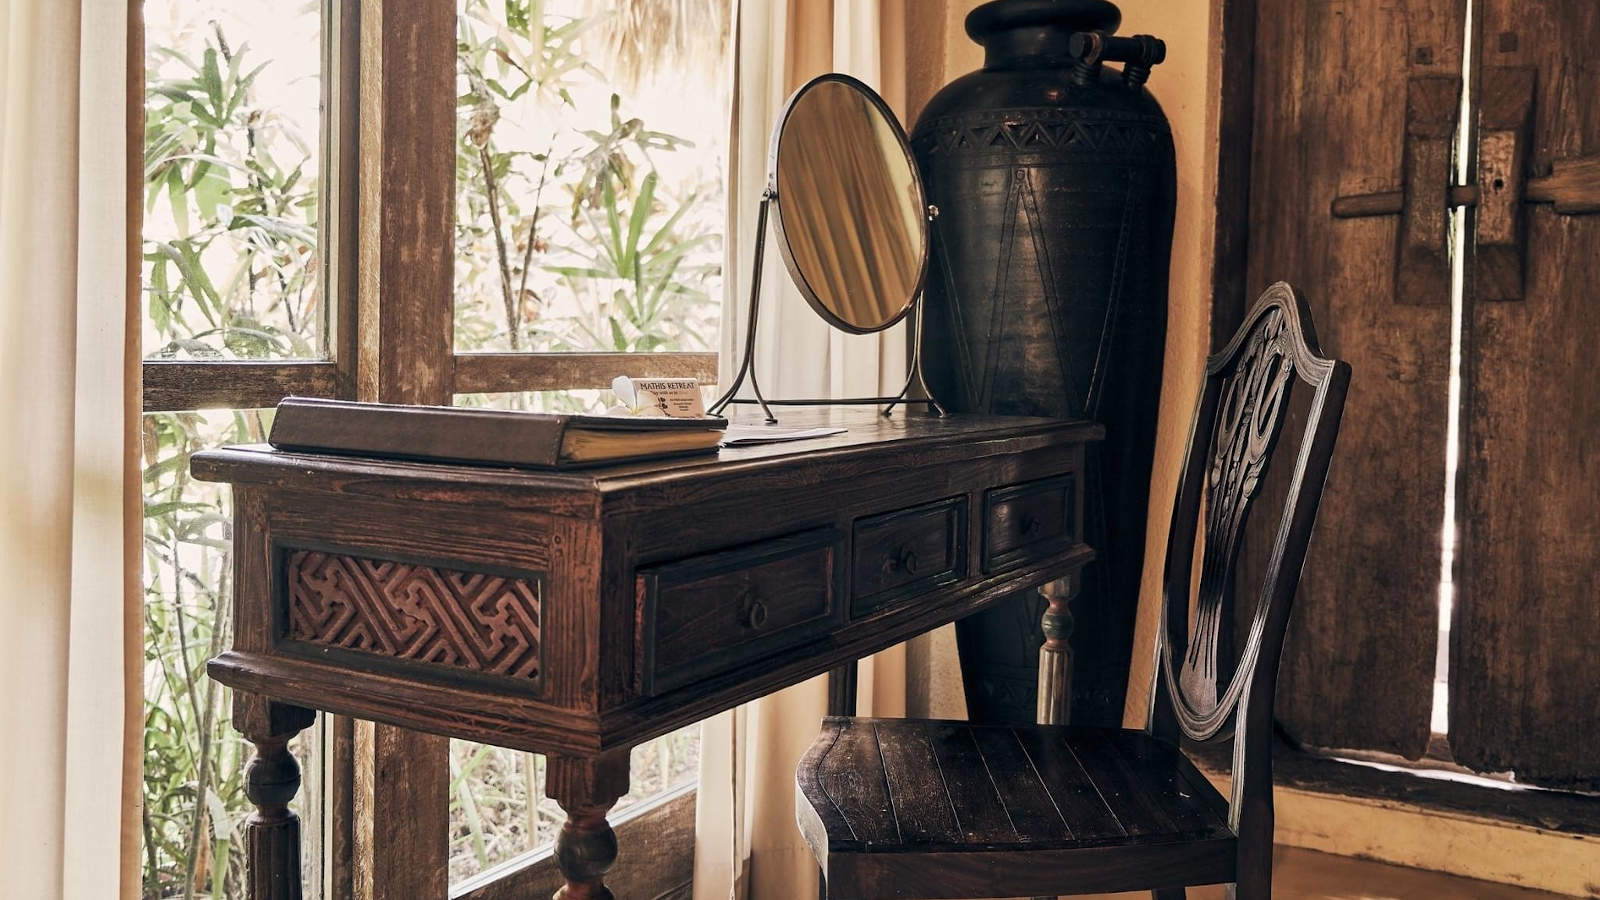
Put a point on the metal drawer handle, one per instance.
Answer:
(755, 611)
(901, 559)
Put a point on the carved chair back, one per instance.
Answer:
(1236, 430)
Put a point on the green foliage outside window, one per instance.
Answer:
(601, 238)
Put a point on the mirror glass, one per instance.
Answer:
(851, 214)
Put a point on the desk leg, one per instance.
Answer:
(272, 833)
(1055, 658)
(586, 788)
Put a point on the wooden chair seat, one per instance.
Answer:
(932, 809)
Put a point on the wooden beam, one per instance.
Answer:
(492, 373)
(236, 385)
(1235, 66)
(406, 202)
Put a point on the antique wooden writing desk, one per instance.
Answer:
(578, 613)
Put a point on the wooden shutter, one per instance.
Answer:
(1333, 82)
(1525, 651)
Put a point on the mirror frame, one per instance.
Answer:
(795, 274)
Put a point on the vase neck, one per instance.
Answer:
(1028, 48)
(1034, 34)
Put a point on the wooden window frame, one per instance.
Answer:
(387, 211)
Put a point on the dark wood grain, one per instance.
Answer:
(1110, 809)
(924, 808)
(952, 820)
(1524, 675)
(718, 611)
(900, 554)
(1071, 789)
(982, 817)
(236, 385)
(1026, 519)
(1335, 71)
(1235, 58)
(1028, 801)
(725, 578)
(491, 373)
(405, 302)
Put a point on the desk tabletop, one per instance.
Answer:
(908, 437)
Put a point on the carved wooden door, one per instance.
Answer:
(1333, 84)
(1524, 664)
(1386, 158)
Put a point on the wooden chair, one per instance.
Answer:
(928, 809)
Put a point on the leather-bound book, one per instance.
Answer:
(485, 436)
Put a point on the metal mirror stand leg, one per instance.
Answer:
(914, 377)
(272, 833)
(747, 367)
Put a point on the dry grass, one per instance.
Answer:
(638, 37)
(492, 820)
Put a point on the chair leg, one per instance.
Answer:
(1253, 886)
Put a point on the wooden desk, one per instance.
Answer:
(578, 613)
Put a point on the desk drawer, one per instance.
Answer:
(905, 552)
(1029, 521)
(718, 611)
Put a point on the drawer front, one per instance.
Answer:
(903, 553)
(718, 611)
(1029, 521)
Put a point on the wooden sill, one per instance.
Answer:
(1433, 789)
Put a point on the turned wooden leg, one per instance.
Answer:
(586, 788)
(1055, 658)
(272, 833)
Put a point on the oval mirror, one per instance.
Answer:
(852, 220)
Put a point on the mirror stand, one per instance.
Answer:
(747, 369)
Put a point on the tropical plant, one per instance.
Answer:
(578, 243)
(237, 274)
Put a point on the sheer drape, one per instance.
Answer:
(69, 647)
(747, 845)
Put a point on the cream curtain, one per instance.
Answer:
(747, 845)
(69, 617)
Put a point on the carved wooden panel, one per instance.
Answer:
(407, 612)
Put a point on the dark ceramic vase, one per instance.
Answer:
(1047, 296)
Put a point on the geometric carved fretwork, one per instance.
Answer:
(415, 613)
(1249, 416)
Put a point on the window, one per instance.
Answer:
(589, 210)
(589, 217)
(232, 271)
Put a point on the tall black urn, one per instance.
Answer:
(1055, 182)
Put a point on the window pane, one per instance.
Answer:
(492, 819)
(592, 402)
(194, 803)
(232, 180)
(590, 157)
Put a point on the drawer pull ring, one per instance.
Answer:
(900, 559)
(755, 612)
